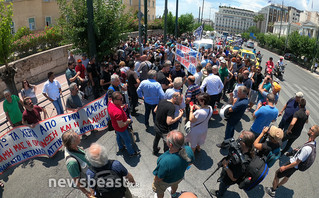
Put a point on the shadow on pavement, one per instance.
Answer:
(132, 161)
(215, 123)
(284, 192)
(47, 162)
(257, 192)
(231, 194)
(203, 161)
(93, 137)
(246, 118)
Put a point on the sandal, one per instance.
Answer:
(1, 185)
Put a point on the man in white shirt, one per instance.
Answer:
(213, 84)
(301, 160)
(198, 75)
(52, 91)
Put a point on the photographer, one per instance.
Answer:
(233, 171)
(273, 143)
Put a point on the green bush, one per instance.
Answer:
(23, 31)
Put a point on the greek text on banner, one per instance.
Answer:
(23, 143)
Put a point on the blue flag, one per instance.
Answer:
(198, 32)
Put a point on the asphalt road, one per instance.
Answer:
(31, 179)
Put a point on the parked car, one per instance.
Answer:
(250, 44)
(249, 54)
(289, 56)
(206, 43)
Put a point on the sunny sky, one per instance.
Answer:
(211, 6)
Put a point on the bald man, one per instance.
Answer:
(188, 195)
(191, 94)
(171, 165)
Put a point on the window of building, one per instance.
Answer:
(48, 21)
(32, 23)
(12, 28)
(153, 4)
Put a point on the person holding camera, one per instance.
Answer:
(301, 160)
(273, 143)
(233, 170)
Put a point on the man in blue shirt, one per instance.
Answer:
(171, 166)
(236, 113)
(205, 61)
(151, 91)
(264, 115)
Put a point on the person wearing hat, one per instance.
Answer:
(275, 90)
(289, 109)
(296, 125)
(275, 135)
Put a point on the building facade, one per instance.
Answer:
(37, 14)
(273, 14)
(233, 20)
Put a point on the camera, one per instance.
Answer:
(234, 153)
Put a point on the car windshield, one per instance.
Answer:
(206, 45)
(250, 56)
(236, 48)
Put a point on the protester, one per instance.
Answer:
(106, 77)
(191, 94)
(12, 109)
(133, 83)
(177, 72)
(81, 68)
(301, 160)
(52, 91)
(165, 117)
(73, 101)
(85, 61)
(31, 114)
(163, 76)
(29, 90)
(75, 161)
(94, 77)
(171, 166)
(96, 155)
(290, 108)
(199, 117)
(120, 123)
(296, 125)
(264, 115)
(71, 75)
(213, 85)
(256, 78)
(152, 92)
(198, 75)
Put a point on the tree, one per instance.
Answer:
(185, 23)
(110, 24)
(258, 19)
(7, 73)
(170, 23)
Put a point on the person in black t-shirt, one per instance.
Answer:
(257, 78)
(162, 78)
(275, 135)
(177, 72)
(165, 118)
(94, 77)
(133, 83)
(296, 125)
(106, 77)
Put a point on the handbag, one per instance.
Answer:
(187, 126)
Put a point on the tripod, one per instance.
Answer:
(219, 165)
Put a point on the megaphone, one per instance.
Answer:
(224, 111)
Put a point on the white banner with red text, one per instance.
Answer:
(23, 143)
(187, 57)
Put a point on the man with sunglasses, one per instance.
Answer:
(120, 123)
(31, 114)
(301, 160)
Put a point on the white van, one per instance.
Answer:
(207, 43)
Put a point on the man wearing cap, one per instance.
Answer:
(296, 125)
(290, 108)
(274, 141)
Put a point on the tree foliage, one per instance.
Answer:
(6, 37)
(185, 23)
(206, 27)
(170, 23)
(110, 24)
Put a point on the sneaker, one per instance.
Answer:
(221, 145)
(176, 195)
(156, 151)
(270, 191)
(215, 193)
(137, 153)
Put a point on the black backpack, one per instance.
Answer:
(114, 183)
(256, 171)
(302, 166)
(272, 157)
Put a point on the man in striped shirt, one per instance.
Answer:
(191, 93)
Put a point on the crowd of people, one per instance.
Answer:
(151, 73)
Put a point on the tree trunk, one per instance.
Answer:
(7, 76)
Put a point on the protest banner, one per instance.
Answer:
(187, 57)
(24, 143)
